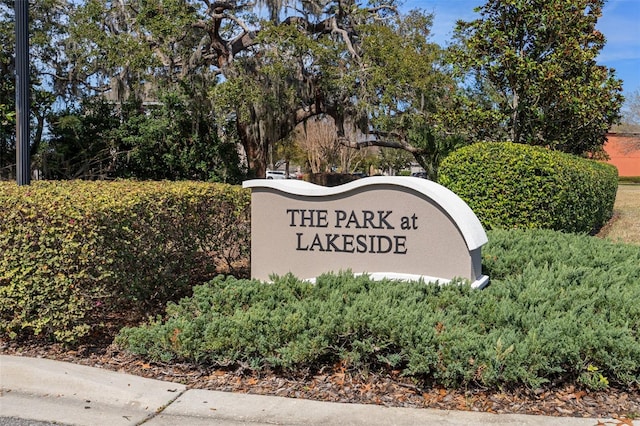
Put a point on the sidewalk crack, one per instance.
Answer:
(160, 409)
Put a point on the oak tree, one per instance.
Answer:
(267, 67)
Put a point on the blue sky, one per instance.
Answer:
(620, 23)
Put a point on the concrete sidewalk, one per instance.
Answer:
(52, 391)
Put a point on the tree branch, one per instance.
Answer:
(345, 37)
(242, 42)
(384, 143)
(323, 27)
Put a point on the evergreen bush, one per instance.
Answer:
(560, 308)
(512, 185)
(73, 252)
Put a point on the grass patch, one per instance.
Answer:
(625, 227)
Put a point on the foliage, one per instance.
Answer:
(365, 66)
(46, 24)
(172, 139)
(80, 145)
(7, 105)
(512, 185)
(403, 91)
(129, 49)
(239, 76)
(234, 74)
(393, 161)
(534, 63)
(176, 139)
(562, 315)
(72, 252)
(132, 57)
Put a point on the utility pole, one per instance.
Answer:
(23, 160)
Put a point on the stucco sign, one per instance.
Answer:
(397, 227)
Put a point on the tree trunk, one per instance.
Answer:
(37, 139)
(515, 117)
(254, 149)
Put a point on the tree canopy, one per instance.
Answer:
(171, 88)
(47, 24)
(270, 66)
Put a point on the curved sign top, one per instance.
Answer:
(397, 227)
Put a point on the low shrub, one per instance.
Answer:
(520, 186)
(73, 252)
(560, 308)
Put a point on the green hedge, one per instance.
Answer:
(566, 315)
(72, 253)
(520, 186)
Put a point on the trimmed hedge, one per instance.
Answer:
(73, 252)
(521, 186)
(561, 308)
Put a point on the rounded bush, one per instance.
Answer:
(512, 185)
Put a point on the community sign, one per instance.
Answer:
(396, 227)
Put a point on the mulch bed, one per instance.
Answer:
(337, 384)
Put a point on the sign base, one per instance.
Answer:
(478, 284)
